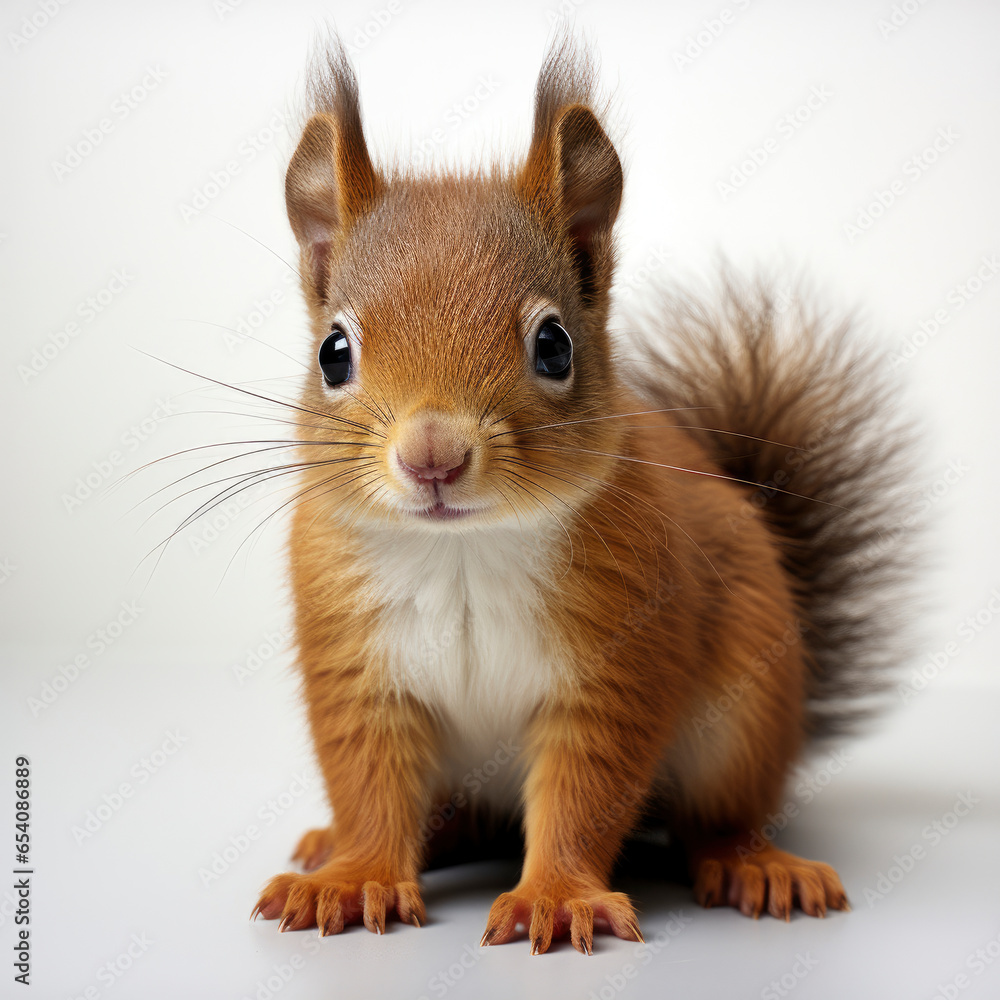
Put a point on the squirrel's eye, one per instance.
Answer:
(335, 357)
(553, 350)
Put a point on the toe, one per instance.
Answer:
(540, 930)
(300, 908)
(836, 897)
(330, 911)
(779, 892)
(501, 924)
(376, 899)
(581, 928)
(710, 884)
(272, 900)
(409, 905)
(810, 891)
(617, 910)
(313, 849)
(749, 888)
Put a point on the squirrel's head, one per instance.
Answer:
(459, 320)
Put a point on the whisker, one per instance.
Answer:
(553, 514)
(607, 416)
(257, 395)
(359, 506)
(510, 504)
(274, 445)
(320, 512)
(378, 404)
(248, 481)
(620, 490)
(507, 473)
(265, 416)
(380, 417)
(357, 313)
(498, 396)
(506, 416)
(592, 493)
(678, 468)
(662, 514)
(299, 496)
(592, 528)
(268, 378)
(249, 236)
(273, 513)
(290, 467)
(221, 497)
(600, 483)
(250, 336)
(674, 522)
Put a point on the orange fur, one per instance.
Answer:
(642, 607)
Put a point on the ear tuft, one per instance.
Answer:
(567, 77)
(330, 180)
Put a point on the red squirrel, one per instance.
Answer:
(635, 590)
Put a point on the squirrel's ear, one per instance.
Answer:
(572, 170)
(330, 179)
(589, 176)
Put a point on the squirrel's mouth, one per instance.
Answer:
(444, 512)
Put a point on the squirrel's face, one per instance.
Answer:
(462, 360)
(456, 341)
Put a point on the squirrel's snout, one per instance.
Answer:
(445, 472)
(433, 449)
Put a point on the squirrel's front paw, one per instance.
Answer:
(548, 911)
(331, 897)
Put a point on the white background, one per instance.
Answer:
(200, 665)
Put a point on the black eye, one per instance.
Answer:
(553, 350)
(335, 357)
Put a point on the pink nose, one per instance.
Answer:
(446, 472)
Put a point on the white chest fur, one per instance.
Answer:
(464, 631)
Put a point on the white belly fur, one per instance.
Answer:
(463, 631)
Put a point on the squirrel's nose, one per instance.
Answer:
(433, 448)
(434, 468)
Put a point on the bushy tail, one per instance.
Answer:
(833, 484)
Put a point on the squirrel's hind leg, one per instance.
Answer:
(723, 807)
